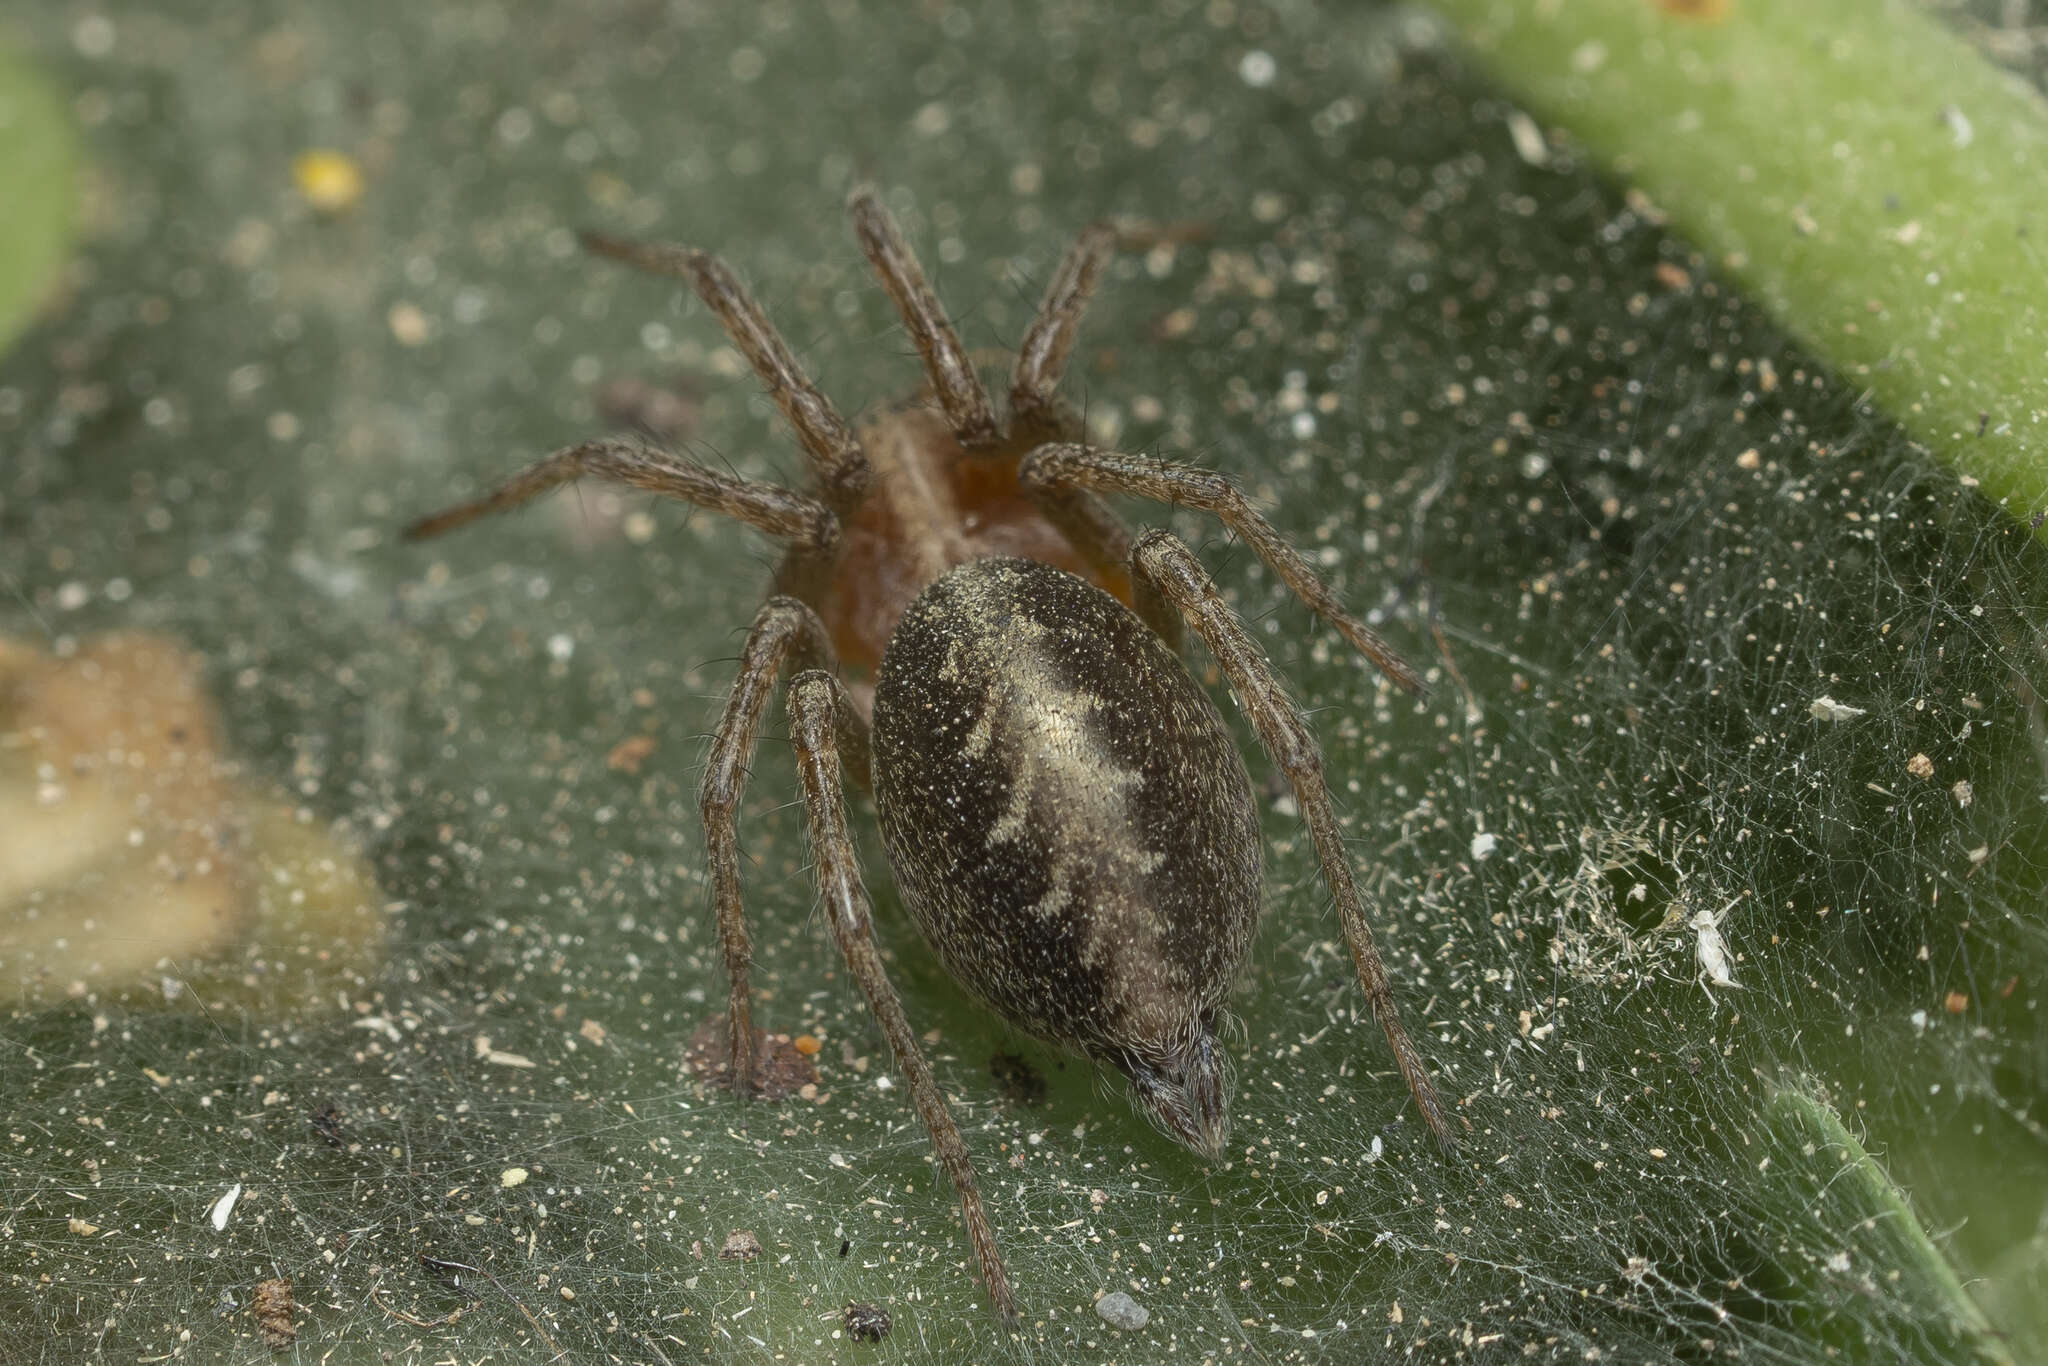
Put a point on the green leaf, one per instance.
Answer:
(37, 165)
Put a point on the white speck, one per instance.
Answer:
(512, 1176)
(224, 1207)
(1372, 1153)
(338, 581)
(1589, 57)
(838, 1160)
(1919, 1019)
(1528, 139)
(1839, 1263)
(93, 36)
(515, 126)
(1958, 125)
(561, 647)
(1483, 845)
(380, 1024)
(1257, 69)
(883, 1083)
(1303, 425)
(1827, 709)
(72, 595)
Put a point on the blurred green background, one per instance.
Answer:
(1633, 533)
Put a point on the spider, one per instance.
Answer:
(1068, 820)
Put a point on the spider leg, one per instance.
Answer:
(1074, 466)
(809, 526)
(1172, 569)
(837, 461)
(1092, 527)
(821, 720)
(785, 634)
(959, 389)
(1035, 409)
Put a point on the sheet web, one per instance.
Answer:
(1706, 638)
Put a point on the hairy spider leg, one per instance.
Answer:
(1037, 414)
(838, 463)
(1067, 466)
(822, 721)
(1172, 569)
(786, 635)
(810, 528)
(954, 382)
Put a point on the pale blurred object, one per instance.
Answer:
(133, 858)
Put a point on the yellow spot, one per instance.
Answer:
(331, 181)
(1706, 11)
(806, 1044)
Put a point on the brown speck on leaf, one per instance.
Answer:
(1956, 1003)
(276, 1321)
(1705, 11)
(1022, 1083)
(868, 1322)
(1920, 766)
(1673, 276)
(627, 755)
(740, 1246)
(780, 1069)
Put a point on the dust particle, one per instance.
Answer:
(740, 1246)
(1119, 1310)
(627, 755)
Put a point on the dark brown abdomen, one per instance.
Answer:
(1068, 818)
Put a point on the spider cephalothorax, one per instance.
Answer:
(1067, 817)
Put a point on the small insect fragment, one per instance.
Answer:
(1827, 709)
(224, 1208)
(740, 1246)
(868, 1322)
(275, 1312)
(326, 1119)
(1713, 949)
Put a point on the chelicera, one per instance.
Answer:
(975, 636)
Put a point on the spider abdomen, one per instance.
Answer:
(1070, 824)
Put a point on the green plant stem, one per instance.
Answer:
(1859, 1195)
(1854, 165)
